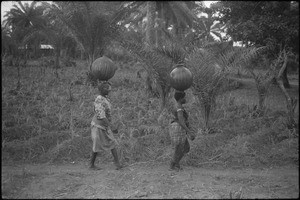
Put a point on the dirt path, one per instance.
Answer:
(146, 180)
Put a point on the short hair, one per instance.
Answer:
(102, 86)
(179, 95)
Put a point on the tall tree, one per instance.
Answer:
(262, 23)
(209, 25)
(87, 22)
(24, 17)
(161, 17)
(177, 14)
(53, 32)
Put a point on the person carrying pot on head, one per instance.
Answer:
(101, 128)
(180, 131)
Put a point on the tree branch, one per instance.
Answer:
(284, 64)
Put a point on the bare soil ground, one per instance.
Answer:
(146, 180)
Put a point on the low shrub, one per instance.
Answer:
(21, 132)
(243, 140)
(31, 149)
(230, 84)
(72, 149)
(38, 123)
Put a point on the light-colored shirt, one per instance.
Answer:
(102, 107)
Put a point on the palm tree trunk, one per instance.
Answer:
(57, 54)
(159, 34)
(261, 102)
(290, 107)
(150, 22)
(289, 100)
(91, 60)
(285, 79)
(150, 36)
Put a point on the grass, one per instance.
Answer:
(11, 183)
(46, 121)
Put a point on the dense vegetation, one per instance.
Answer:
(42, 124)
(240, 116)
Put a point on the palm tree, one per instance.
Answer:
(87, 23)
(54, 34)
(208, 63)
(158, 65)
(212, 29)
(178, 14)
(25, 17)
(6, 45)
(160, 16)
(207, 26)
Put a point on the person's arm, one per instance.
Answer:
(105, 122)
(181, 120)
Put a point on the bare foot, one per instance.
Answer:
(119, 166)
(94, 168)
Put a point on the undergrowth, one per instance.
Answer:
(48, 120)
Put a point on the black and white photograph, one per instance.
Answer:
(150, 99)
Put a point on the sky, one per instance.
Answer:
(207, 3)
(7, 5)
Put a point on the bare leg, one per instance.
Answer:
(176, 155)
(116, 159)
(184, 149)
(92, 162)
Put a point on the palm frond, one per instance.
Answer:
(183, 13)
(88, 27)
(157, 64)
(125, 10)
(172, 51)
(253, 53)
(208, 66)
(21, 6)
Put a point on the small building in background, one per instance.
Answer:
(42, 50)
(46, 50)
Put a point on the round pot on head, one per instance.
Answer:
(181, 78)
(103, 68)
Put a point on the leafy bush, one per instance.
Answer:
(244, 140)
(33, 148)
